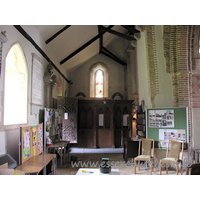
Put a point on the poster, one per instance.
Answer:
(161, 118)
(34, 139)
(40, 139)
(125, 119)
(100, 119)
(26, 144)
(171, 134)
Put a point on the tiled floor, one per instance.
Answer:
(93, 160)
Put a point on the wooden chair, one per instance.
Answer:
(193, 169)
(145, 155)
(173, 158)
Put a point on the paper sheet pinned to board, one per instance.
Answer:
(0, 112)
(161, 134)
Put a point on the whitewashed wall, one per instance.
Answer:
(164, 98)
(81, 76)
(9, 134)
(142, 71)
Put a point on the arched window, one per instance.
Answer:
(99, 80)
(99, 83)
(15, 91)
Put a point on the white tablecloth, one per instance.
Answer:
(95, 171)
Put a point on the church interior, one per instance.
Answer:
(101, 88)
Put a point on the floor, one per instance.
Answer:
(91, 158)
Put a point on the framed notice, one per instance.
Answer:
(125, 119)
(37, 78)
(100, 119)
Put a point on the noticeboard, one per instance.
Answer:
(164, 124)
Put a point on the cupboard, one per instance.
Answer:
(103, 123)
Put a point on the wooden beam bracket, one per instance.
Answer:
(118, 34)
(114, 58)
(131, 29)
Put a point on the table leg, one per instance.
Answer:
(55, 166)
(61, 158)
(54, 163)
(44, 170)
(64, 152)
(68, 146)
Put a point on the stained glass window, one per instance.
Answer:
(99, 83)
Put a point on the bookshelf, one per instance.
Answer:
(141, 125)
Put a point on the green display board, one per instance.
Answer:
(163, 124)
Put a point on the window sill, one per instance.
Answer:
(13, 126)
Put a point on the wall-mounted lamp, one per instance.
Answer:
(104, 101)
(66, 116)
(134, 115)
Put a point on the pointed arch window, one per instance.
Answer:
(99, 83)
(99, 80)
(15, 92)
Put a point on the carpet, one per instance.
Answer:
(97, 150)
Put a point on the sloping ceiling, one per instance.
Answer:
(73, 45)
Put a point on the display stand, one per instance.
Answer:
(30, 142)
(32, 159)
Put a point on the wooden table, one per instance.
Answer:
(130, 149)
(37, 163)
(61, 145)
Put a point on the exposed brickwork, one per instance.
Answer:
(151, 63)
(178, 51)
(196, 90)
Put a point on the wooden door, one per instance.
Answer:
(105, 136)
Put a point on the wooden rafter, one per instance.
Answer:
(118, 34)
(100, 39)
(56, 34)
(130, 28)
(109, 56)
(28, 37)
(84, 46)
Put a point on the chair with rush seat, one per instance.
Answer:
(147, 154)
(173, 158)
